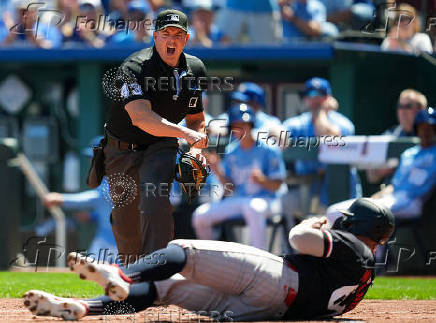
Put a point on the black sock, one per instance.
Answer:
(141, 296)
(159, 265)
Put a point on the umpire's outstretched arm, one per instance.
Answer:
(143, 117)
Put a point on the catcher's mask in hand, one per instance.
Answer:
(191, 174)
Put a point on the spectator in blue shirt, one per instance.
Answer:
(305, 19)
(99, 205)
(86, 29)
(137, 27)
(3, 31)
(346, 14)
(29, 31)
(321, 120)
(203, 31)
(415, 178)
(120, 8)
(261, 18)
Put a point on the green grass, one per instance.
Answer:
(15, 284)
(402, 288)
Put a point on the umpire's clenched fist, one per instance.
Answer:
(196, 139)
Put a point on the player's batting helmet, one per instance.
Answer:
(367, 218)
(425, 116)
(241, 113)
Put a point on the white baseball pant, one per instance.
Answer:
(234, 280)
(253, 210)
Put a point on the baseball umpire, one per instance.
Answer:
(159, 87)
(329, 276)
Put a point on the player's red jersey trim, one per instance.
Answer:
(365, 283)
(290, 296)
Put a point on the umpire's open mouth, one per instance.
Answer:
(171, 50)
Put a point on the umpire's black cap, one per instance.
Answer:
(367, 218)
(171, 18)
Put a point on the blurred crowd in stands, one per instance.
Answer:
(403, 26)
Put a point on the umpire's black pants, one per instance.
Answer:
(139, 185)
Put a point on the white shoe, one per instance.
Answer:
(114, 282)
(44, 304)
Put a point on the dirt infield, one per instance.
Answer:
(12, 310)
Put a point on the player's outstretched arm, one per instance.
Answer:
(307, 237)
(147, 120)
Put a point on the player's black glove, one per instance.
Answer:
(191, 174)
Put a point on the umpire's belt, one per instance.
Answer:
(123, 145)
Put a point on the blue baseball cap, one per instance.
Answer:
(88, 152)
(239, 96)
(426, 116)
(254, 92)
(241, 113)
(317, 87)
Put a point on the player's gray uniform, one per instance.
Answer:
(239, 282)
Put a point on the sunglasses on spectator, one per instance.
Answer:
(408, 106)
(405, 19)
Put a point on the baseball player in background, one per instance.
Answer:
(251, 173)
(415, 178)
(99, 205)
(329, 276)
(253, 95)
(321, 121)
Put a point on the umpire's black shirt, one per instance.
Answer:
(173, 92)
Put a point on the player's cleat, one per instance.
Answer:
(44, 304)
(114, 282)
